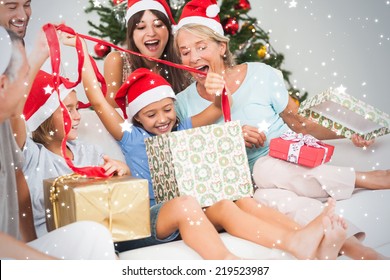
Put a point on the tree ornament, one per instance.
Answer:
(116, 2)
(243, 5)
(263, 52)
(230, 26)
(101, 50)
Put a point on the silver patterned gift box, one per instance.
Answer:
(345, 114)
(208, 163)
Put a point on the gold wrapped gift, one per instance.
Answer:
(119, 203)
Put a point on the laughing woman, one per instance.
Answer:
(149, 32)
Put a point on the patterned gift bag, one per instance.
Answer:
(209, 163)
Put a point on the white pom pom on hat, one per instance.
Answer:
(212, 11)
(203, 12)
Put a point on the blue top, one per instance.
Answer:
(261, 97)
(134, 149)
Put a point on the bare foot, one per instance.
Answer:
(303, 243)
(334, 237)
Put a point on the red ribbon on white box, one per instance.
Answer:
(301, 140)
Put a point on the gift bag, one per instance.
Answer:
(208, 163)
(345, 115)
(119, 203)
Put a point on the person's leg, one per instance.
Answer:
(321, 182)
(354, 249)
(184, 213)
(373, 180)
(302, 244)
(261, 211)
(351, 247)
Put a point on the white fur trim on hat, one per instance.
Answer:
(210, 23)
(47, 109)
(5, 50)
(143, 5)
(148, 97)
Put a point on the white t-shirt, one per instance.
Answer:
(40, 164)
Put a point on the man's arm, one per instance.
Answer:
(12, 248)
(26, 219)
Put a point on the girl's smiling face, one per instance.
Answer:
(158, 117)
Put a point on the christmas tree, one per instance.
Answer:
(248, 41)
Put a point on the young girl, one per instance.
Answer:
(42, 152)
(151, 110)
(149, 32)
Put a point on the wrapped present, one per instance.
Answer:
(208, 163)
(121, 203)
(345, 115)
(300, 149)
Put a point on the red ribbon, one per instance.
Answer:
(224, 99)
(55, 57)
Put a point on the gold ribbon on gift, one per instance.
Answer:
(54, 190)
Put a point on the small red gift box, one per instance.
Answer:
(296, 148)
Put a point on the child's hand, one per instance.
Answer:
(114, 166)
(69, 39)
(358, 141)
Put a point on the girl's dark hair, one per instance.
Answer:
(179, 79)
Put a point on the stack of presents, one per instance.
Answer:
(209, 163)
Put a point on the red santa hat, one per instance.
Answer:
(142, 88)
(135, 6)
(5, 49)
(204, 12)
(42, 100)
